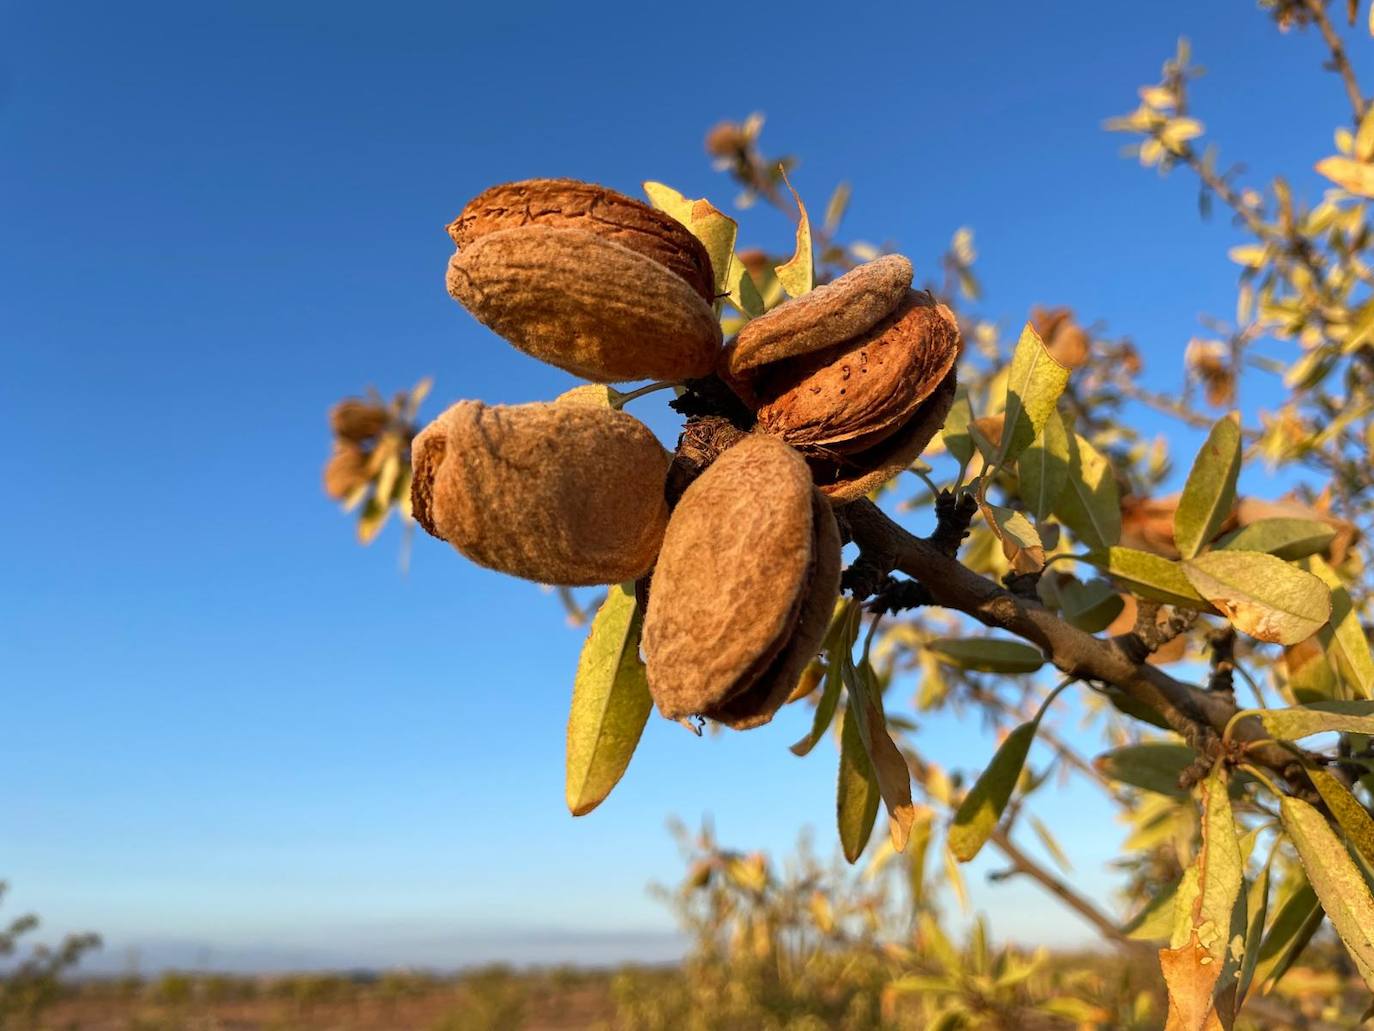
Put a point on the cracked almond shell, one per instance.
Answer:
(738, 566)
(851, 397)
(572, 204)
(850, 477)
(586, 304)
(561, 494)
(826, 316)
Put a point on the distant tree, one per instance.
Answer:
(31, 984)
(1250, 825)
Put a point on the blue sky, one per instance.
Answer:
(229, 728)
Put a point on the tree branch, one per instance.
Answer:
(1198, 715)
(1340, 61)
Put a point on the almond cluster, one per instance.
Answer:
(738, 571)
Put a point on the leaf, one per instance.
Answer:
(1020, 543)
(889, 765)
(716, 230)
(610, 702)
(1285, 537)
(1300, 721)
(797, 275)
(1088, 504)
(1148, 575)
(1352, 176)
(1091, 606)
(857, 802)
(825, 711)
(1354, 819)
(1051, 845)
(1153, 766)
(1293, 927)
(1210, 491)
(1266, 597)
(1337, 881)
(1344, 637)
(1256, 910)
(834, 211)
(955, 433)
(1156, 920)
(1033, 387)
(1043, 468)
(987, 654)
(982, 807)
(591, 395)
(1199, 949)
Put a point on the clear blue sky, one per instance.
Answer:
(227, 727)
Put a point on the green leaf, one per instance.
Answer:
(982, 807)
(798, 275)
(987, 654)
(716, 230)
(1088, 504)
(1154, 766)
(1033, 387)
(825, 711)
(1300, 721)
(1256, 910)
(1263, 596)
(1211, 488)
(857, 803)
(888, 764)
(955, 433)
(1148, 575)
(1051, 845)
(1020, 541)
(610, 702)
(1353, 818)
(1293, 927)
(1286, 537)
(1043, 468)
(1337, 881)
(1090, 606)
(1344, 638)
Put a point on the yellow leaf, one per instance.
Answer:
(798, 275)
(1352, 176)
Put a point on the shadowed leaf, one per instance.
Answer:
(1211, 488)
(1044, 467)
(987, 655)
(1089, 505)
(1034, 384)
(1288, 538)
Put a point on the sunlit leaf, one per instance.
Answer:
(1287, 538)
(1263, 596)
(1051, 845)
(610, 702)
(1300, 721)
(1043, 468)
(1211, 488)
(1033, 387)
(1089, 504)
(1020, 541)
(1350, 175)
(1354, 818)
(1337, 881)
(797, 275)
(982, 807)
(1344, 637)
(1148, 575)
(987, 654)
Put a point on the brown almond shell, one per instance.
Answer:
(852, 396)
(757, 704)
(586, 304)
(573, 204)
(854, 476)
(822, 318)
(560, 494)
(733, 574)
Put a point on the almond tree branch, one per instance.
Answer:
(1340, 61)
(1198, 715)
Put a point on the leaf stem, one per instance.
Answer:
(624, 399)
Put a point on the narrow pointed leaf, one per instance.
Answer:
(1089, 504)
(982, 807)
(1288, 538)
(889, 765)
(1155, 920)
(1043, 468)
(1354, 819)
(1344, 637)
(797, 275)
(1256, 911)
(1033, 387)
(1211, 488)
(825, 711)
(1293, 927)
(1263, 596)
(1091, 606)
(610, 702)
(857, 801)
(1150, 576)
(955, 433)
(1300, 721)
(987, 654)
(1154, 766)
(1337, 881)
